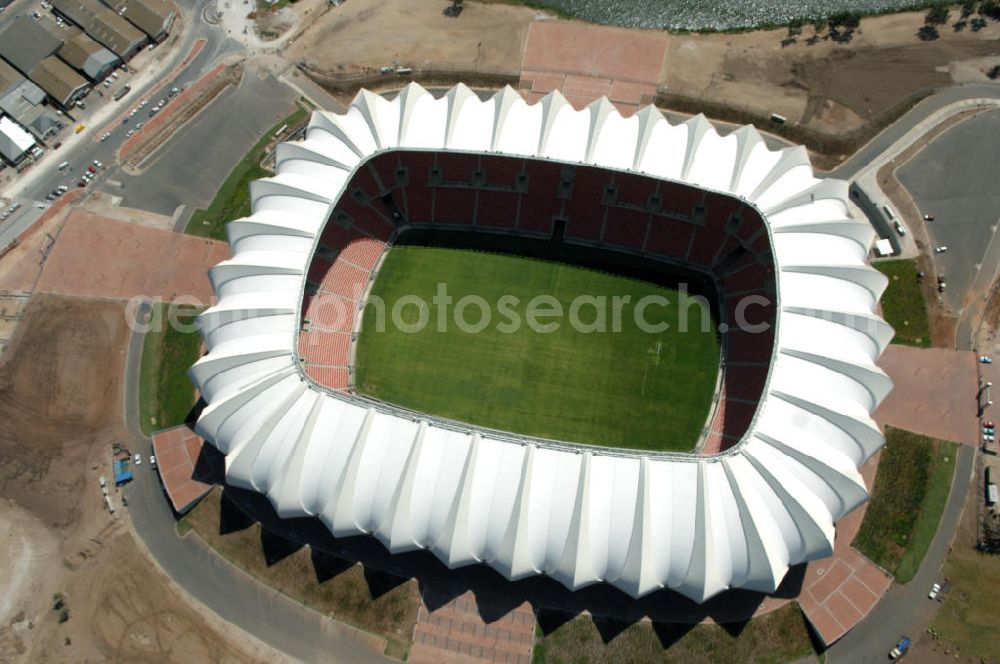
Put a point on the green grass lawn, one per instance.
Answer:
(903, 304)
(232, 201)
(166, 394)
(778, 637)
(644, 390)
(911, 488)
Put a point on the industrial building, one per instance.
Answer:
(104, 25)
(153, 17)
(32, 50)
(86, 55)
(642, 521)
(24, 101)
(15, 142)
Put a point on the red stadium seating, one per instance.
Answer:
(585, 209)
(679, 199)
(542, 202)
(457, 167)
(497, 209)
(501, 171)
(364, 179)
(454, 205)
(362, 253)
(626, 228)
(385, 166)
(745, 381)
(669, 237)
(336, 378)
(634, 190)
(419, 195)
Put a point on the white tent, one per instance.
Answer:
(638, 520)
(14, 141)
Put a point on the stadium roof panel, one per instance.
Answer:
(640, 521)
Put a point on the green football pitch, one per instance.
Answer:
(630, 385)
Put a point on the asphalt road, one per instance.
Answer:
(230, 593)
(905, 610)
(82, 153)
(955, 177)
(190, 168)
(910, 119)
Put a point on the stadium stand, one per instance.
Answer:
(498, 209)
(523, 197)
(626, 228)
(585, 208)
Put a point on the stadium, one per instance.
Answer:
(748, 463)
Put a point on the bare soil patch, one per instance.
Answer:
(60, 402)
(367, 34)
(374, 601)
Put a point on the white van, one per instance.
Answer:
(63, 166)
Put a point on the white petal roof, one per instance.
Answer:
(638, 520)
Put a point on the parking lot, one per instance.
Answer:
(954, 178)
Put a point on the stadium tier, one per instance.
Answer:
(792, 420)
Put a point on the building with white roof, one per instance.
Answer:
(639, 520)
(14, 141)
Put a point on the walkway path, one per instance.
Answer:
(905, 609)
(227, 591)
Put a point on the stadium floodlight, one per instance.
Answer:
(638, 520)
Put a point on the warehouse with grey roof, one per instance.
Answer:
(154, 17)
(32, 49)
(104, 25)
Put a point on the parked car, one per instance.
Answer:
(899, 228)
(940, 250)
(137, 459)
(91, 169)
(935, 589)
(98, 164)
(928, 217)
(105, 136)
(152, 461)
(900, 649)
(941, 283)
(986, 359)
(81, 183)
(62, 189)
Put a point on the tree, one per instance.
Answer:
(795, 27)
(937, 15)
(990, 9)
(994, 72)
(968, 6)
(990, 540)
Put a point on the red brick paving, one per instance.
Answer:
(934, 393)
(838, 592)
(585, 62)
(455, 632)
(99, 257)
(177, 451)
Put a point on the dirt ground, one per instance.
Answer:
(367, 33)
(826, 85)
(60, 402)
(823, 85)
